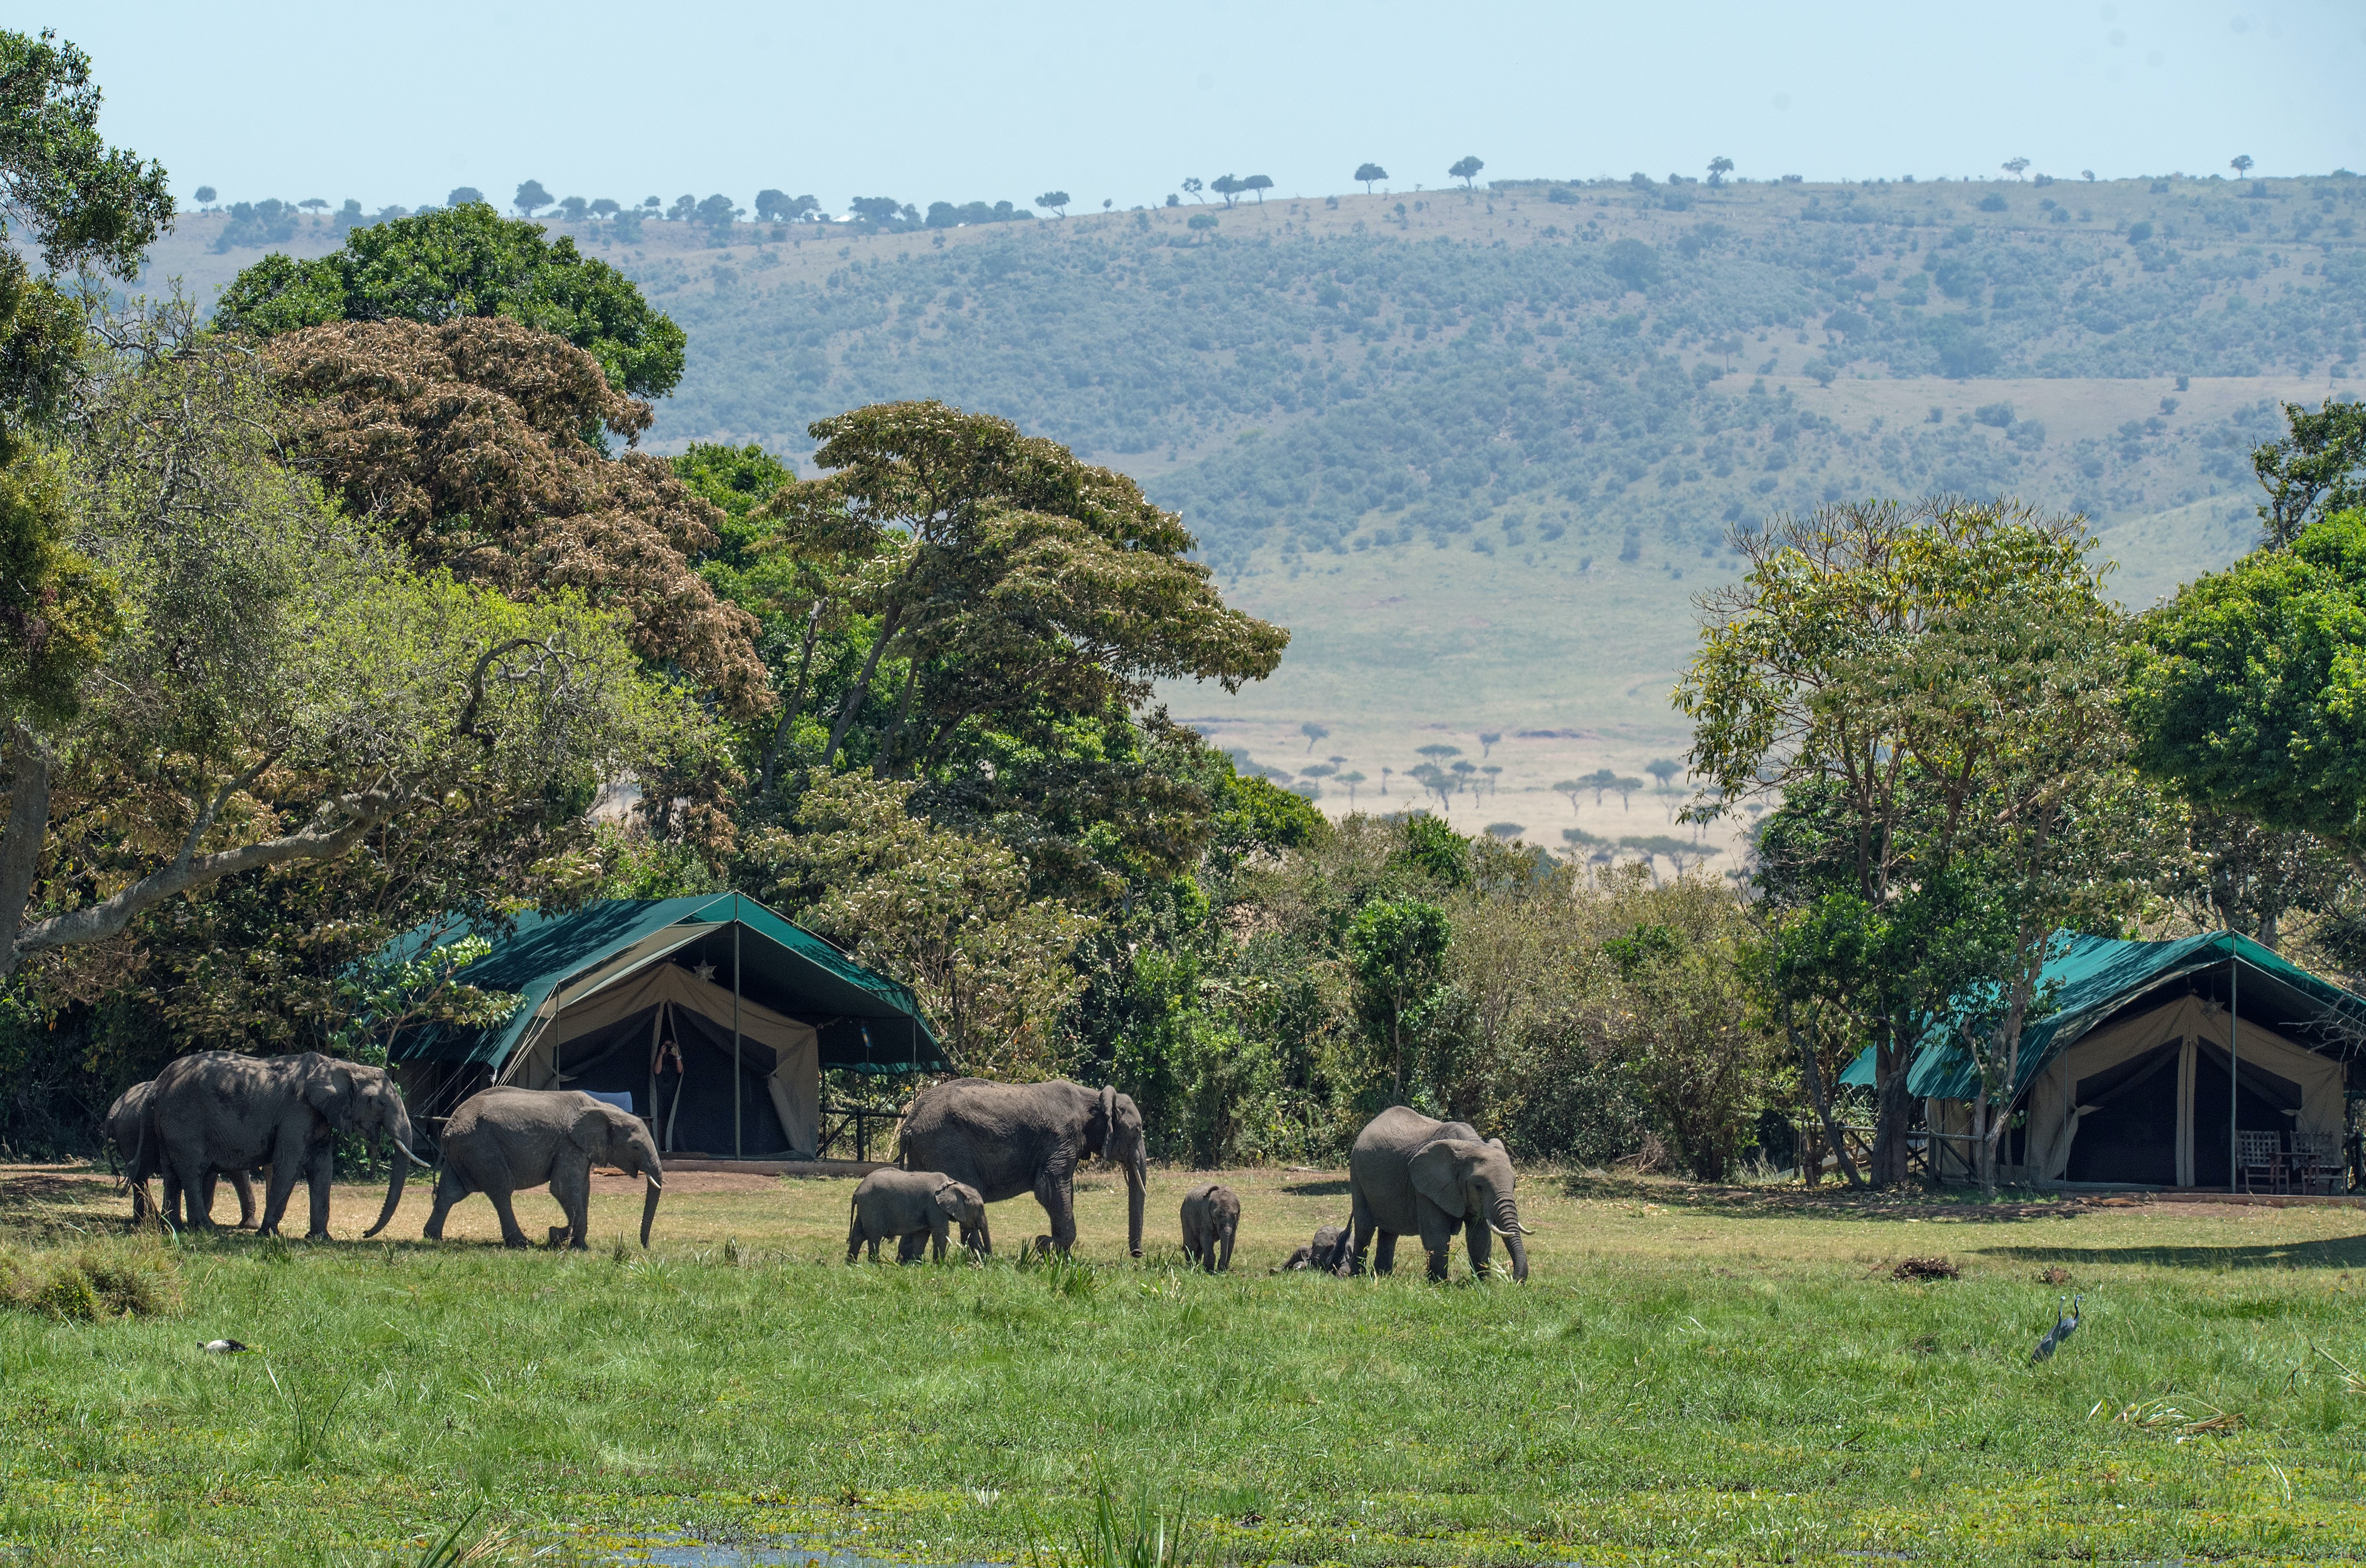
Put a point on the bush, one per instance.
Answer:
(136, 1279)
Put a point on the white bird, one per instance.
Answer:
(221, 1347)
(2064, 1325)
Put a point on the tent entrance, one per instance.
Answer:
(2264, 1102)
(2128, 1109)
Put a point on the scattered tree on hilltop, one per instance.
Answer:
(2241, 163)
(1191, 187)
(1057, 200)
(531, 197)
(1368, 174)
(1226, 187)
(1717, 169)
(461, 195)
(2014, 166)
(1313, 732)
(1467, 171)
(1259, 184)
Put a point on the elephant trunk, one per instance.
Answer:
(393, 1188)
(649, 1209)
(1506, 1221)
(1137, 1178)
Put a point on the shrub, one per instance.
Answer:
(135, 1280)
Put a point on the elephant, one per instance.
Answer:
(1212, 1215)
(125, 1123)
(1324, 1253)
(1410, 1175)
(504, 1138)
(916, 1207)
(1007, 1139)
(220, 1111)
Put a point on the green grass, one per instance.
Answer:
(1687, 1377)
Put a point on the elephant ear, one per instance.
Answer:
(329, 1089)
(948, 1197)
(1108, 1115)
(1436, 1169)
(592, 1130)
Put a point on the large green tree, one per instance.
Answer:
(466, 260)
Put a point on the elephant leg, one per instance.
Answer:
(213, 1182)
(186, 1177)
(937, 1237)
(854, 1237)
(572, 1188)
(284, 1172)
(449, 1189)
(1480, 1242)
(511, 1234)
(1053, 1192)
(243, 1182)
(321, 1171)
(984, 1237)
(911, 1246)
(1224, 1264)
(1436, 1237)
(1360, 1229)
(1384, 1253)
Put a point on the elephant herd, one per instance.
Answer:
(967, 1144)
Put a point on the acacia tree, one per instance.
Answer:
(1366, 173)
(2316, 470)
(1467, 171)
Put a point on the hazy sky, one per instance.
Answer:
(399, 104)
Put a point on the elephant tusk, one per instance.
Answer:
(407, 1152)
(653, 1182)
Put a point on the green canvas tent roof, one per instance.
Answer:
(865, 1021)
(2098, 976)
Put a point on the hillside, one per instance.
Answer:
(1478, 451)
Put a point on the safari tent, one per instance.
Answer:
(2155, 1058)
(712, 1017)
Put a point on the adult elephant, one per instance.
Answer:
(127, 1123)
(220, 1111)
(1006, 1139)
(1411, 1176)
(504, 1138)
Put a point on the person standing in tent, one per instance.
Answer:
(665, 1071)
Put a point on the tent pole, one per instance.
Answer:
(738, 1090)
(2234, 1055)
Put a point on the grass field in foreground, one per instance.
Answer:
(1688, 1376)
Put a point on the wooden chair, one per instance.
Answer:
(2262, 1159)
(2316, 1161)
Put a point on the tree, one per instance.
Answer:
(1439, 750)
(2317, 470)
(1467, 171)
(1191, 188)
(605, 206)
(314, 204)
(953, 917)
(1351, 780)
(1057, 200)
(204, 195)
(1664, 769)
(272, 686)
(1226, 187)
(1487, 741)
(1368, 172)
(1717, 169)
(1259, 184)
(574, 208)
(530, 198)
(2241, 163)
(2242, 693)
(1395, 947)
(461, 195)
(2014, 166)
(1314, 732)
(779, 207)
(470, 444)
(1492, 771)
(1600, 780)
(717, 214)
(467, 261)
(1201, 223)
(1840, 673)
(1570, 788)
(1625, 788)
(1010, 574)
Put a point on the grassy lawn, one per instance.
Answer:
(1688, 1377)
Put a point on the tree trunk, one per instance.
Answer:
(860, 688)
(1813, 1073)
(1894, 1111)
(796, 702)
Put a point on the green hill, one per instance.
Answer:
(1479, 451)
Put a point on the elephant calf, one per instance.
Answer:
(1324, 1252)
(916, 1207)
(127, 1129)
(1211, 1217)
(504, 1139)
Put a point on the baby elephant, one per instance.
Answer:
(504, 1139)
(911, 1205)
(1322, 1253)
(1212, 1215)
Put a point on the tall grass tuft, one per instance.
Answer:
(308, 1416)
(458, 1548)
(1145, 1533)
(136, 1279)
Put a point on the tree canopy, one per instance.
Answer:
(466, 260)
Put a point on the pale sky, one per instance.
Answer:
(928, 101)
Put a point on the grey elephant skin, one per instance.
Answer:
(503, 1140)
(1325, 1252)
(219, 1110)
(125, 1128)
(1411, 1176)
(1211, 1217)
(1009, 1139)
(916, 1208)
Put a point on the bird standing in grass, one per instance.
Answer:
(2064, 1325)
(221, 1348)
